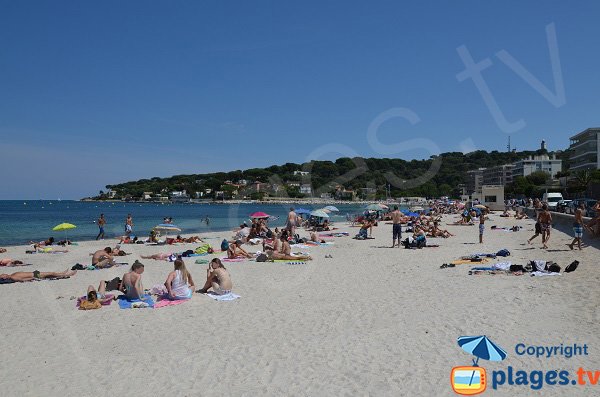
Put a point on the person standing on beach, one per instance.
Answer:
(101, 222)
(396, 226)
(481, 225)
(290, 224)
(128, 225)
(545, 219)
(578, 227)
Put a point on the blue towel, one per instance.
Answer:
(126, 304)
(482, 268)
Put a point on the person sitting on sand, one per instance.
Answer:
(10, 262)
(437, 232)
(286, 251)
(180, 284)
(235, 250)
(153, 237)
(95, 298)
(217, 278)
(2, 250)
(132, 282)
(21, 277)
(102, 259)
(161, 256)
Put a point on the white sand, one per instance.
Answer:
(370, 321)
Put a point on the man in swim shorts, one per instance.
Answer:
(396, 226)
(101, 222)
(578, 227)
(20, 277)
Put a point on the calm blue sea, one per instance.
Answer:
(22, 221)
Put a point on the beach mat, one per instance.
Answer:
(467, 261)
(223, 298)
(127, 304)
(167, 302)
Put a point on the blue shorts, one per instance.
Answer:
(397, 231)
(481, 228)
(578, 230)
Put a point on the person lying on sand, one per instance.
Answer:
(192, 239)
(21, 277)
(180, 284)
(2, 250)
(132, 282)
(217, 278)
(161, 256)
(103, 258)
(235, 250)
(10, 262)
(95, 299)
(44, 243)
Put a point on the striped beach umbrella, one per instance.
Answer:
(481, 347)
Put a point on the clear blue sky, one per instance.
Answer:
(95, 93)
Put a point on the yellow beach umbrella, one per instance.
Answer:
(64, 227)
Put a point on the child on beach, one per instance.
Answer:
(481, 226)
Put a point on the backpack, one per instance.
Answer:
(503, 252)
(572, 267)
(261, 258)
(224, 245)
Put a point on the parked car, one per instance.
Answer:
(563, 206)
(588, 205)
(552, 200)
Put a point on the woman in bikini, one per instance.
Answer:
(217, 278)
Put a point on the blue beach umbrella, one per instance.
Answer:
(319, 214)
(332, 208)
(302, 211)
(481, 347)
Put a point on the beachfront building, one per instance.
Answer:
(179, 197)
(301, 173)
(499, 175)
(584, 150)
(474, 180)
(491, 196)
(306, 189)
(533, 164)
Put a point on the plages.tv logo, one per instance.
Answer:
(472, 379)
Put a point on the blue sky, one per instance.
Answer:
(95, 93)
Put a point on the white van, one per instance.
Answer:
(552, 199)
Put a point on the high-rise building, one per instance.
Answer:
(584, 150)
(474, 181)
(533, 164)
(499, 175)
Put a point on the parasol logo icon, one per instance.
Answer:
(471, 380)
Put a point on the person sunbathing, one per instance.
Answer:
(132, 282)
(286, 251)
(217, 278)
(95, 298)
(103, 258)
(20, 277)
(44, 243)
(10, 262)
(2, 250)
(161, 256)
(235, 250)
(179, 284)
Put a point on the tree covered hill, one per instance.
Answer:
(436, 176)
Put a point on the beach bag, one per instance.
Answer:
(503, 252)
(261, 258)
(552, 267)
(572, 267)
(187, 253)
(516, 268)
(114, 284)
(224, 245)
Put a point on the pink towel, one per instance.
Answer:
(167, 302)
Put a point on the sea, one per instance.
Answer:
(33, 220)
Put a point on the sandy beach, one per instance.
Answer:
(369, 321)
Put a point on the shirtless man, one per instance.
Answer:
(235, 250)
(291, 222)
(592, 226)
(577, 227)
(396, 226)
(481, 226)
(217, 278)
(545, 219)
(101, 222)
(103, 258)
(21, 277)
(10, 262)
(132, 282)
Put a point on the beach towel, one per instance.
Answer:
(201, 261)
(167, 302)
(483, 268)
(225, 259)
(502, 266)
(289, 262)
(539, 274)
(466, 261)
(302, 246)
(106, 303)
(131, 304)
(223, 298)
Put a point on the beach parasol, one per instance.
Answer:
(319, 214)
(64, 227)
(373, 207)
(417, 208)
(332, 208)
(167, 227)
(302, 211)
(383, 206)
(480, 206)
(258, 215)
(481, 347)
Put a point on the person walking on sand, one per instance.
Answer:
(481, 225)
(291, 222)
(128, 225)
(578, 227)
(396, 226)
(545, 219)
(101, 222)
